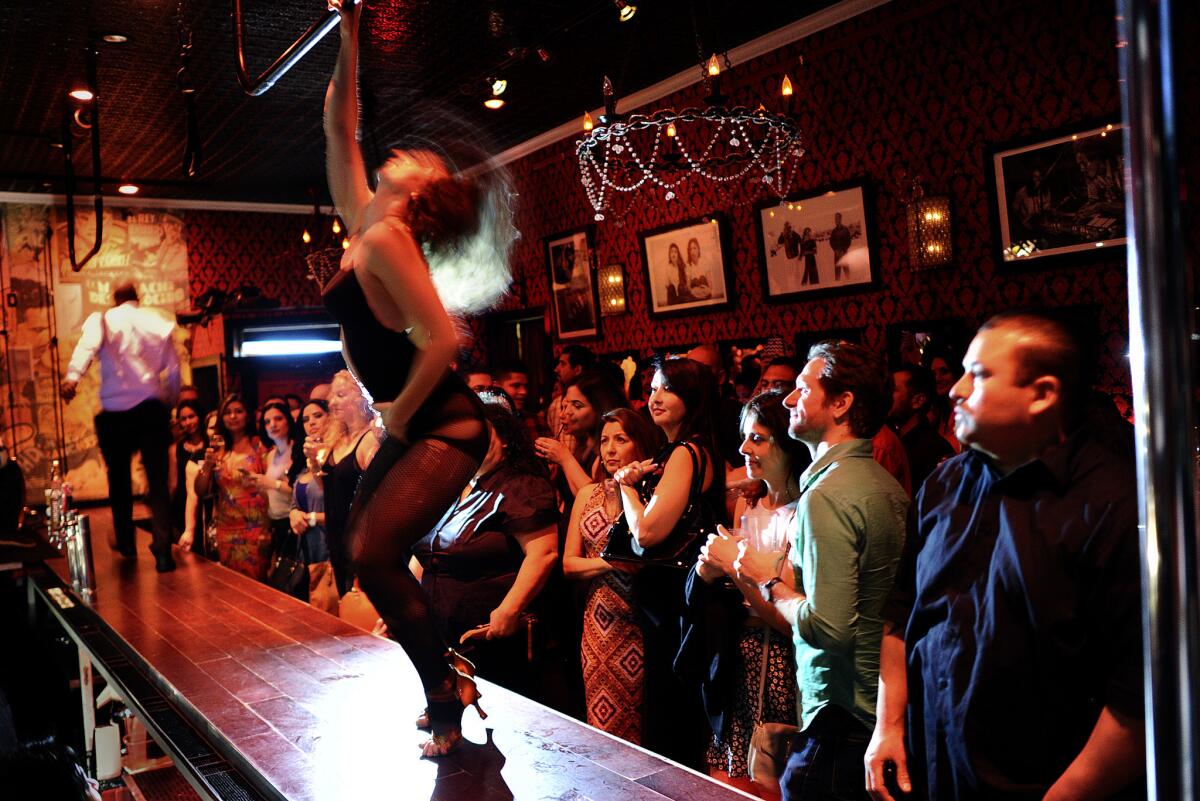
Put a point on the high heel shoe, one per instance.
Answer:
(446, 704)
(468, 692)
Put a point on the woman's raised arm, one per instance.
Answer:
(344, 166)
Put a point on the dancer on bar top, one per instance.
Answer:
(426, 244)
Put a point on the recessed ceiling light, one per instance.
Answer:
(82, 95)
(494, 102)
(115, 38)
(128, 189)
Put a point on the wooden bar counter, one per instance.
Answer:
(257, 695)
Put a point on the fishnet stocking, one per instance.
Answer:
(404, 493)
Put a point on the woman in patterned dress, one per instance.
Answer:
(776, 461)
(612, 652)
(243, 531)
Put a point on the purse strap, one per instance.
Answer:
(762, 673)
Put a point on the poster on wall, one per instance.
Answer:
(1060, 195)
(818, 244)
(570, 263)
(145, 246)
(686, 266)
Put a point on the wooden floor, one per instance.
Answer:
(325, 711)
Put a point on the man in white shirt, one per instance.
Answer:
(135, 348)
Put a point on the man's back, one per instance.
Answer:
(134, 346)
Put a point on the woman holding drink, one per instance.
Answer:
(235, 455)
(764, 683)
(307, 516)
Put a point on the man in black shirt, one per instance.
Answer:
(1014, 657)
(912, 392)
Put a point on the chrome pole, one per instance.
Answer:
(1160, 329)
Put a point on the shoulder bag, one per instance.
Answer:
(682, 545)
(290, 573)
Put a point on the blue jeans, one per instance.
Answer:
(826, 761)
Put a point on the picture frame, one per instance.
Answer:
(686, 266)
(1058, 196)
(796, 236)
(571, 271)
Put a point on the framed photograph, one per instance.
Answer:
(818, 244)
(570, 265)
(1059, 195)
(686, 266)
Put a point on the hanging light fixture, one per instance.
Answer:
(720, 143)
(625, 11)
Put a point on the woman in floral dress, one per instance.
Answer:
(243, 532)
(612, 649)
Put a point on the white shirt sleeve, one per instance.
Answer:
(87, 347)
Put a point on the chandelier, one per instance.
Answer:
(666, 148)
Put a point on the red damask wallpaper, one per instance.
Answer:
(907, 89)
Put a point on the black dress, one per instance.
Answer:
(179, 496)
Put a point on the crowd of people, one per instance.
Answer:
(883, 588)
(814, 578)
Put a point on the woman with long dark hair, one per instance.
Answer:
(759, 692)
(683, 401)
(587, 399)
(280, 438)
(307, 515)
(612, 652)
(243, 535)
(188, 449)
(427, 242)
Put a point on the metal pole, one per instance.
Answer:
(1160, 329)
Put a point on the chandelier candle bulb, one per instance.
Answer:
(588, 125)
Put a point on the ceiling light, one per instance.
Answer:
(587, 121)
(494, 103)
(337, 226)
(82, 95)
(115, 38)
(625, 11)
(306, 236)
(714, 66)
(129, 189)
(498, 86)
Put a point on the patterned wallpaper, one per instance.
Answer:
(906, 89)
(897, 91)
(227, 249)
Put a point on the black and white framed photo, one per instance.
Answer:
(821, 243)
(1059, 195)
(570, 266)
(686, 266)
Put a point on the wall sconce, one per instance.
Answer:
(929, 234)
(611, 280)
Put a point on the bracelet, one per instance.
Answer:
(312, 519)
(767, 586)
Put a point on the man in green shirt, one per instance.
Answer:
(850, 524)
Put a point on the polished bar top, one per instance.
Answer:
(325, 711)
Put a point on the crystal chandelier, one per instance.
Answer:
(666, 148)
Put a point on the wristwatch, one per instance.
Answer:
(767, 585)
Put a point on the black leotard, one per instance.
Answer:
(408, 485)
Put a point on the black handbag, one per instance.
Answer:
(682, 545)
(290, 573)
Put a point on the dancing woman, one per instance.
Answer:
(424, 244)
